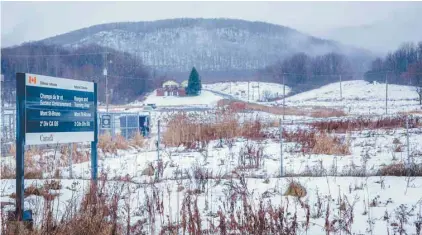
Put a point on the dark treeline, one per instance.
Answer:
(403, 66)
(302, 72)
(128, 77)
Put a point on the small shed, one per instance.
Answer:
(185, 83)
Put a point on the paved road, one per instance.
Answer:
(224, 95)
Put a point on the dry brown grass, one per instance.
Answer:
(37, 191)
(108, 145)
(191, 132)
(325, 144)
(366, 123)
(416, 111)
(317, 142)
(12, 150)
(33, 170)
(120, 142)
(105, 143)
(317, 112)
(399, 169)
(7, 172)
(138, 140)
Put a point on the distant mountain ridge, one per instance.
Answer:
(176, 45)
(382, 36)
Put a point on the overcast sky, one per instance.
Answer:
(28, 21)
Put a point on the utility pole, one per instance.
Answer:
(157, 169)
(407, 141)
(2, 99)
(253, 92)
(386, 93)
(281, 147)
(106, 79)
(284, 96)
(158, 140)
(341, 90)
(248, 90)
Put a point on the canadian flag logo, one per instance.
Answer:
(32, 80)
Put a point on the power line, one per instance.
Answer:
(130, 78)
(59, 55)
(345, 74)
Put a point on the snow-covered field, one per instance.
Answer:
(359, 97)
(339, 187)
(258, 91)
(206, 98)
(375, 202)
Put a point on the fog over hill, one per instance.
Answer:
(175, 45)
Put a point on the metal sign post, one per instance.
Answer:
(52, 110)
(94, 159)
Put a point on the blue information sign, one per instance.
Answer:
(55, 107)
(53, 110)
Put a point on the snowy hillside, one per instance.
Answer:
(207, 44)
(258, 91)
(206, 98)
(359, 97)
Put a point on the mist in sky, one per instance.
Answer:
(30, 21)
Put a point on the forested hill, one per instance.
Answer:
(175, 45)
(128, 77)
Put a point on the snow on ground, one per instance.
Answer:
(359, 97)
(375, 202)
(371, 197)
(370, 150)
(258, 91)
(206, 98)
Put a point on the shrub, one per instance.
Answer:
(399, 169)
(295, 189)
(365, 123)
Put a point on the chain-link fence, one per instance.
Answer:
(351, 145)
(125, 124)
(8, 129)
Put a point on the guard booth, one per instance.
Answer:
(125, 124)
(131, 124)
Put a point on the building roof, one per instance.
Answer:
(170, 83)
(185, 83)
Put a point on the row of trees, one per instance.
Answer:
(403, 66)
(128, 78)
(301, 70)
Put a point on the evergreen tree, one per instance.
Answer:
(194, 83)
